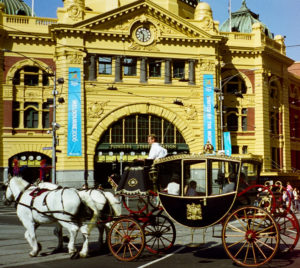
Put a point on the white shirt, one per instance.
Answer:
(157, 151)
(173, 188)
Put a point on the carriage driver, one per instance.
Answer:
(156, 150)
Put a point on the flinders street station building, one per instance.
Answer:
(93, 83)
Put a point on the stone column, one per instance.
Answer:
(92, 69)
(168, 73)
(191, 72)
(118, 69)
(143, 70)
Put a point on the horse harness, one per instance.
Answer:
(38, 191)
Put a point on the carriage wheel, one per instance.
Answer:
(250, 236)
(289, 231)
(160, 234)
(126, 239)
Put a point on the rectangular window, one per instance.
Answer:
(46, 115)
(31, 76)
(245, 149)
(156, 127)
(129, 66)
(130, 129)
(154, 68)
(105, 65)
(117, 132)
(235, 149)
(16, 114)
(178, 69)
(143, 128)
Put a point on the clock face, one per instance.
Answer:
(143, 34)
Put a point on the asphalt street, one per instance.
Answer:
(208, 252)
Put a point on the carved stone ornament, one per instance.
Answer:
(75, 58)
(206, 23)
(96, 109)
(138, 47)
(206, 65)
(75, 12)
(193, 212)
(191, 112)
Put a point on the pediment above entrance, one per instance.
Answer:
(155, 22)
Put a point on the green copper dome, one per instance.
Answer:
(16, 7)
(242, 21)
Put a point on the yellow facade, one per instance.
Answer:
(86, 30)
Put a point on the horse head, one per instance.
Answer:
(15, 188)
(8, 197)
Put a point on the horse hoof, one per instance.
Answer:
(75, 255)
(31, 254)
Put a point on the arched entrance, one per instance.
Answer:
(126, 140)
(29, 164)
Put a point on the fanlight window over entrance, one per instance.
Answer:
(128, 137)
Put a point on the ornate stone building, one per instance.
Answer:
(132, 68)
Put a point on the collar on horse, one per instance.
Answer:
(21, 193)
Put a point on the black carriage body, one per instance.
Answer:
(216, 179)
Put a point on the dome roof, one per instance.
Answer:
(242, 21)
(202, 9)
(16, 7)
(203, 6)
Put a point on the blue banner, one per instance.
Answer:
(74, 113)
(209, 110)
(227, 143)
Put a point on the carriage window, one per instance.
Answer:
(223, 178)
(195, 178)
(169, 174)
(249, 174)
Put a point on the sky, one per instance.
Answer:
(281, 16)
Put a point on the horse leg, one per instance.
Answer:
(31, 238)
(101, 228)
(73, 231)
(59, 234)
(85, 247)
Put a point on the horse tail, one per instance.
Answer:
(88, 201)
(114, 202)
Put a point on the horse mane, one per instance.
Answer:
(20, 181)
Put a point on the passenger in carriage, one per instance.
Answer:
(191, 189)
(230, 186)
(156, 150)
(173, 186)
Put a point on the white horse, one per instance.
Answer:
(36, 207)
(102, 200)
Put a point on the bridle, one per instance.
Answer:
(17, 199)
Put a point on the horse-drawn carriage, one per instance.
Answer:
(196, 191)
(226, 190)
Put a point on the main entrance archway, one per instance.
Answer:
(126, 140)
(29, 164)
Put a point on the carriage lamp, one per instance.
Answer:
(153, 177)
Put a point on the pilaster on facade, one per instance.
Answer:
(262, 122)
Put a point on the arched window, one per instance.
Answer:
(31, 76)
(235, 85)
(129, 134)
